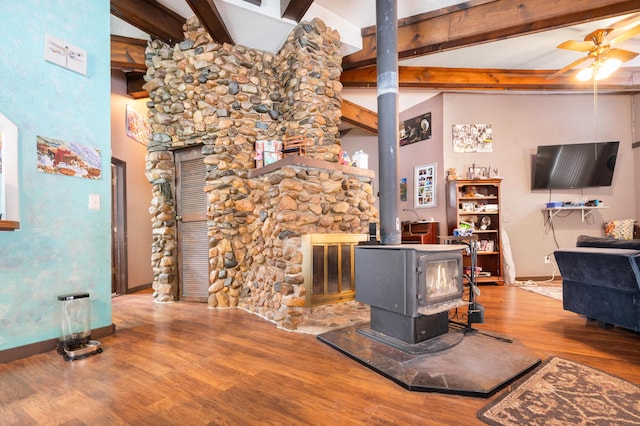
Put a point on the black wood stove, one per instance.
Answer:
(410, 288)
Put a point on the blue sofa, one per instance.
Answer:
(601, 280)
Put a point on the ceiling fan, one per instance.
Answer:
(604, 56)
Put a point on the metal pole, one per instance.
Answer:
(388, 122)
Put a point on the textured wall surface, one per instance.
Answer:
(226, 98)
(62, 246)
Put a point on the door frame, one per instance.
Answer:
(119, 265)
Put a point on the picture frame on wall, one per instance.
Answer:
(403, 189)
(425, 186)
(415, 129)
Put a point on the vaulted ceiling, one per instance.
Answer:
(505, 45)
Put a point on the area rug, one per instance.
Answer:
(563, 392)
(555, 292)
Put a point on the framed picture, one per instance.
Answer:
(425, 186)
(475, 172)
(467, 207)
(403, 189)
(415, 129)
(472, 138)
(136, 125)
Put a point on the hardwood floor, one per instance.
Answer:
(184, 364)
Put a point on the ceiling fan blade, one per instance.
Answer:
(622, 55)
(580, 46)
(625, 35)
(568, 67)
(627, 21)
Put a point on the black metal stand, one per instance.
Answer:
(475, 310)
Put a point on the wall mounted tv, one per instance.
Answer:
(581, 165)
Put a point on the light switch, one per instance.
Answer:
(94, 202)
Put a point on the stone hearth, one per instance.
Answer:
(225, 98)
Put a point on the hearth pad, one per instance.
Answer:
(430, 346)
(462, 362)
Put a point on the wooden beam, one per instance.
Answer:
(151, 17)
(294, 9)
(135, 81)
(437, 78)
(486, 22)
(211, 20)
(360, 117)
(128, 54)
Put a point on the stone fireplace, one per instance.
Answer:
(225, 98)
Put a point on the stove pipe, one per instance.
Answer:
(388, 123)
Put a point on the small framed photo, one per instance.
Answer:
(477, 173)
(467, 207)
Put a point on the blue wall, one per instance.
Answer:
(62, 246)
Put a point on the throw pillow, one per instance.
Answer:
(619, 229)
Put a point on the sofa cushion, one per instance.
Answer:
(589, 241)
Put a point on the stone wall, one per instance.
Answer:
(301, 197)
(224, 98)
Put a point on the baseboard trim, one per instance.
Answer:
(554, 279)
(138, 288)
(13, 354)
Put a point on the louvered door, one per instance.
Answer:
(193, 248)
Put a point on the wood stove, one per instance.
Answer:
(410, 288)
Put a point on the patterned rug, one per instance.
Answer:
(554, 292)
(563, 392)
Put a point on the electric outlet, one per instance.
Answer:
(547, 259)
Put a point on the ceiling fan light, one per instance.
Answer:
(607, 68)
(585, 74)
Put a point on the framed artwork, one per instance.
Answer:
(472, 138)
(136, 125)
(68, 158)
(66, 55)
(403, 189)
(415, 129)
(425, 186)
(475, 172)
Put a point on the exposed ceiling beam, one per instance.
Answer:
(135, 81)
(128, 54)
(623, 80)
(360, 117)
(211, 20)
(294, 9)
(486, 22)
(151, 17)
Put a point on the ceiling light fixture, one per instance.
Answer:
(599, 69)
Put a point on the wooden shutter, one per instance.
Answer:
(192, 230)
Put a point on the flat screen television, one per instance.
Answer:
(581, 165)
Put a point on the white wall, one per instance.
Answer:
(521, 123)
(428, 151)
(635, 139)
(139, 236)
(416, 154)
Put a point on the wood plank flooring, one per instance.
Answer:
(184, 364)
